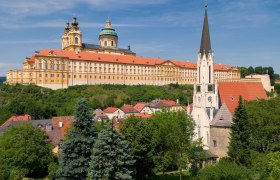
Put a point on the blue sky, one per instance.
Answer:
(243, 32)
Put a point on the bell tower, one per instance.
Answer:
(72, 36)
(205, 98)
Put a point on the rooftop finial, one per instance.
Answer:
(206, 4)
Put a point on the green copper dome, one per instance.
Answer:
(108, 32)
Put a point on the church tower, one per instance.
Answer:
(108, 37)
(205, 98)
(72, 36)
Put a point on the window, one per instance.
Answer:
(112, 43)
(198, 88)
(211, 88)
(57, 66)
(105, 43)
(46, 65)
(76, 40)
(214, 143)
(52, 65)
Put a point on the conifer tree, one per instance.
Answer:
(240, 132)
(76, 149)
(111, 158)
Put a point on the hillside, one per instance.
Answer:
(43, 103)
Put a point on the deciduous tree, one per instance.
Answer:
(24, 152)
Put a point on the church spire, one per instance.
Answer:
(205, 46)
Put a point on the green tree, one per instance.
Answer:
(139, 133)
(76, 149)
(264, 125)
(111, 157)
(240, 132)
(24, 152)
(225, 169)
(172, 140)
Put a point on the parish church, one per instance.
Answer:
(214, 102)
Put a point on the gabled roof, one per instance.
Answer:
(98, 113)
(158, 103)
(25, 117)
(127, 108)
(110, 110)
(229, 92)
(170, 103)
(223, 118)
(139, 106)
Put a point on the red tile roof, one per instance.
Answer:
(142, 115)
(229, 92)
(139, 106)
(170, 102)
(123, 59)
(63, 119)
(64, 129)
(25, 117)
(110, 110)
(127, 108)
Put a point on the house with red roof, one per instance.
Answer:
(143, 108)
(17, 118)
(159, 105)
(113, 112)
(129, 110)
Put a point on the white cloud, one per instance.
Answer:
(37, 7)
(35, 41)
(10, 65)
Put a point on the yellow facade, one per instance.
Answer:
(56, 71)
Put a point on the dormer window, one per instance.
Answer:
(112, 43)
(105, 43)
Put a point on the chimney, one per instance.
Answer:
(60, 124)
(177, 101)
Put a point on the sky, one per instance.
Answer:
(243, 32)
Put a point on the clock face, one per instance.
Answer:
(209, 98)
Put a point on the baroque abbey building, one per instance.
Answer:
(79, 63)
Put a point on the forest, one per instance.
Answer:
(41, 103)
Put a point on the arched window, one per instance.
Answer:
(105, 43)
(76, 40)
(57, 66)
(46, 65)
(52, 65)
